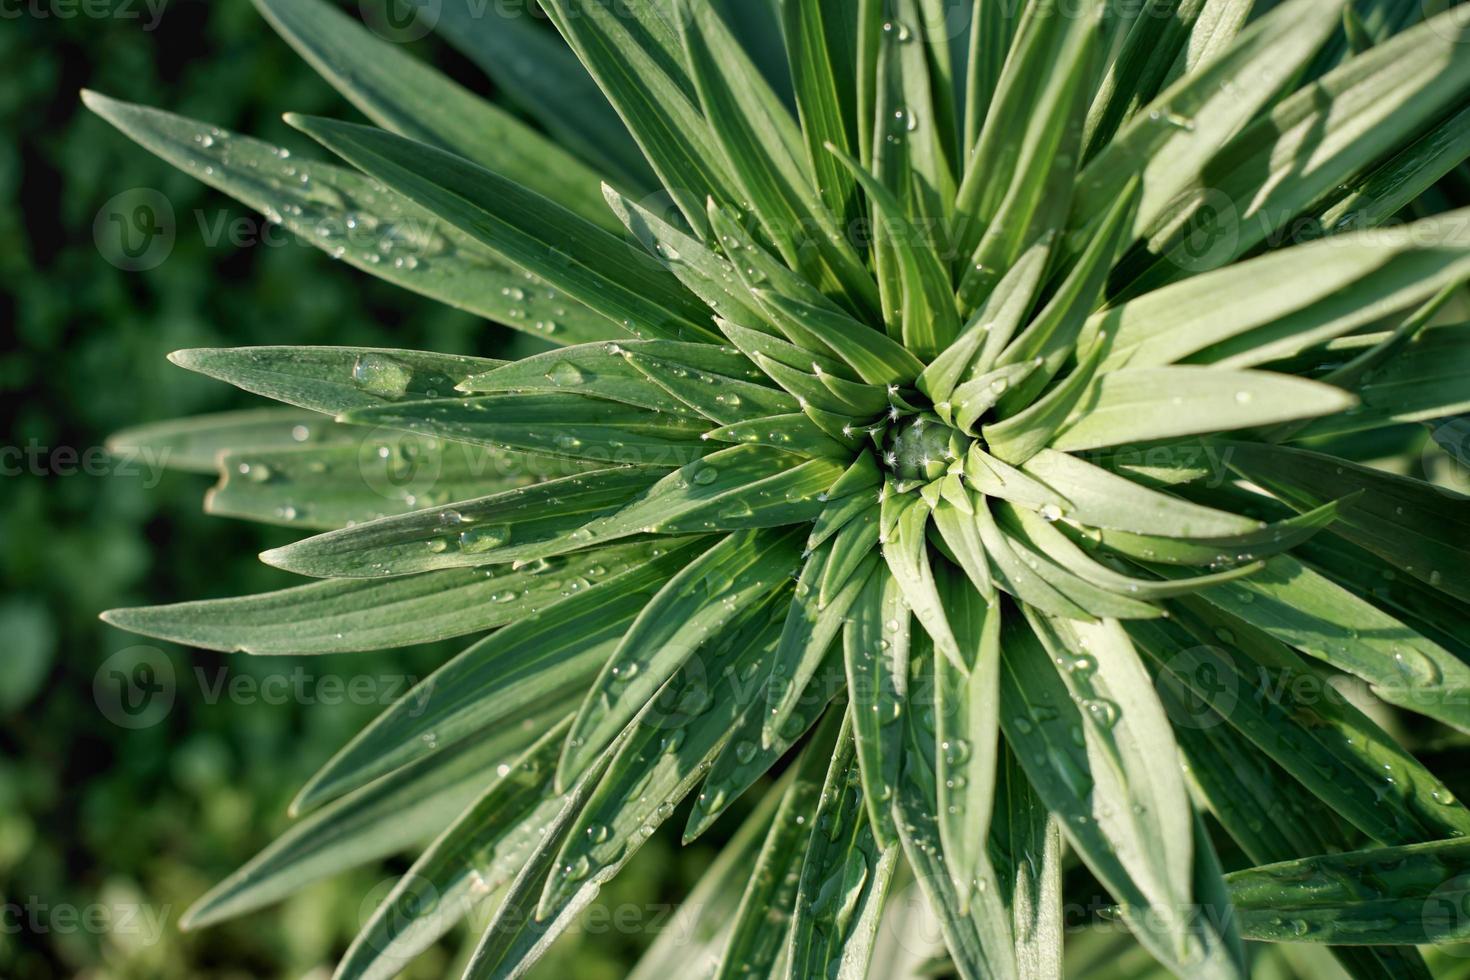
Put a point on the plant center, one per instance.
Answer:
(921, 447)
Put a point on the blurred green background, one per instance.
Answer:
(108, 832)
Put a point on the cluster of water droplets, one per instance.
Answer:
(357, 219)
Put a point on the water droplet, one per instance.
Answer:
(565, 373)
(380, 375)
(480, 540)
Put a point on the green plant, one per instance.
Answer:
(932, 438)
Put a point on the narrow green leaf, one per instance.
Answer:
(1025, 848)
(1429, 612)
(907, 554)
(1311, 143)
(877, 359)
(1094, 600)
(844, 880)
(734, 488)
(1034, 118)
(552, 423)
(821, 48)
(806, 644)
(957, 530)
(1411, 374)
(875, 643)
(1043, 536)
(1419, 528)
(474, 858)
(1053, 336)
(973, 353)
(850, 399)
(1372, 198)
(694, 940)
(1018, 437)
(635, 56)
(1309, 612)
(670, 744)
(1100, 499)
(1246, 547)
(375, 475)
(992, 26)
(1146, 51)
(852, 547)
(1002, 212)
(915, 151)
(718, 586)
(758, 934)
(1294, 298)
(1292, 714)
(1120, 795)
(549, 656)
(761, 146)
(1136, 405)
(596, 370)
(927, 314)
(348, 615)
(795, 433)
(402, 94)
(1016, 576)
(707, 275)
(333, 380)
(571, 255)
(536, 71)
(392, 815)
(362, 223)
(966, 728)
(1241, 787)
(979, 937)
(757, 269)
(995, 478)
(194, 445)
(745, 758)
(516, 938)
(1171, 140)
(1413, 895)
(515, 525)
(728, 401)
(753, 342)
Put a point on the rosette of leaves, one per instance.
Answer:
(938, 419)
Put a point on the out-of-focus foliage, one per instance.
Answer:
(107, 832)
